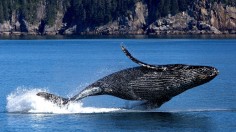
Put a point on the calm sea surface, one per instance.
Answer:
(65, 67)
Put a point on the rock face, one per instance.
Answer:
(218, 16)
(223, 18)
(20, 26)
(202, 17)
(133, 23)
(181, 23)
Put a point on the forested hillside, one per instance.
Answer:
(86, 13)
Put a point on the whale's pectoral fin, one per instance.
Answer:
(59, 101)
(148, 105)
(157, 103)
(151, 105)
(89, 91)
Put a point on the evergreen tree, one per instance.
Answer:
(108, 11)
(51, 11)
(161, 7)
(166, 8)
(153, 10)
(183, 5)
(1, 13)
(91, 12)
(174, 7)
(6, 10)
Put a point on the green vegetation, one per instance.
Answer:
(51, 11)
(90, 13)
(227, 2)
(161, 8)
(1, 13)
(96, 12)
(28, 9)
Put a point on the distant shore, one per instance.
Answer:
(41, 37)
(140, 19)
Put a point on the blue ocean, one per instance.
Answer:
(65, 67)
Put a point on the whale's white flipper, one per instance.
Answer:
(60, 101)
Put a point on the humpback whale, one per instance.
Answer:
(153, 84)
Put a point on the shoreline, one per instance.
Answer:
(180, 36)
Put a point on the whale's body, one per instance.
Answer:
(155, 84)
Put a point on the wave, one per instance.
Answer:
(26, 101)
(199, 110)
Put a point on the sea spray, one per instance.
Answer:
(26, 101)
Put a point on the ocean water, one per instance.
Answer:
(65, 67)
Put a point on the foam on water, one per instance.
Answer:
(26, 101)
(196, 110)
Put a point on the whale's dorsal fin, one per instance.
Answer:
(149, 66)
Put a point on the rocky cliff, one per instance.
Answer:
(132, 23)
(33, 21)
(201, 17)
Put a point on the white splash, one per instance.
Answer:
(26, 101)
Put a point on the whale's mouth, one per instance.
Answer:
(216, 72)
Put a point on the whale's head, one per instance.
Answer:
(201, 74)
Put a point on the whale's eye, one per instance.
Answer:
(206, 71)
